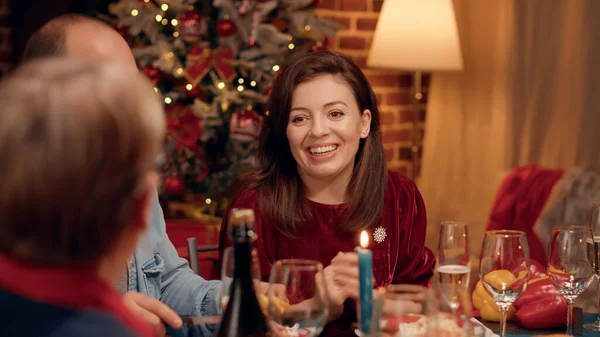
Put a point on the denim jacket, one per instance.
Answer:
(156, 270)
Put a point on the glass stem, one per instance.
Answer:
(503, 316)
(597, 323)
(569, 317)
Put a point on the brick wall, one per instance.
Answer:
(5, 37)
(393, 89)
(358, 18)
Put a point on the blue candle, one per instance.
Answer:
(365, 267)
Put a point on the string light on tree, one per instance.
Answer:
(201, 76)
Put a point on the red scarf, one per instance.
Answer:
(74, 288)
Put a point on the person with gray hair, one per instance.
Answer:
(78, 142)
(157, 284)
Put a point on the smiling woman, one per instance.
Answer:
(322, 179)
(324, 131)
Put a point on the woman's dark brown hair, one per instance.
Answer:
(280, 193)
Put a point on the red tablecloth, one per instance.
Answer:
(179, 230)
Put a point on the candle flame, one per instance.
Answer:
(364, 239)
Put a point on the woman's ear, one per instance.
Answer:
(365, 121)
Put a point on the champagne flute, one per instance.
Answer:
(504, 268)
(594, 258)
(568, 265)
(303, 311)
(454, 264)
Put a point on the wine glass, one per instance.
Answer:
(568, 265)
(407, 310)
(303, 311)
(594, 258)
(454, 264)
(227, 270)
(504, 268)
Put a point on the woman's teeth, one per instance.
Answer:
(322, 149)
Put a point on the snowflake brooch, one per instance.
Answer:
(379, 235)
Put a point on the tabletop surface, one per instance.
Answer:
(196, 322)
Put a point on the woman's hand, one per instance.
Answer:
(341, 278)
(344, 268)
(277, 290)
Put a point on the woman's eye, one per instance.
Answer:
(298, 119)
(336, 114)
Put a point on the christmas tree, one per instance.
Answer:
(213, 63)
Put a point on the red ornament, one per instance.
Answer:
(191, 26)
(226, 28)
(154, 74)
(174, 186)
(245, 125)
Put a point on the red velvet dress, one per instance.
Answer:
(400, 258)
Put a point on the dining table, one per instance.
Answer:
(192, 327)
(513, 330)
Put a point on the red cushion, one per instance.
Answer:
(520, 201)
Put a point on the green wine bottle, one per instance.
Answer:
(243, 316)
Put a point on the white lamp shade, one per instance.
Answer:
(416, 35)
